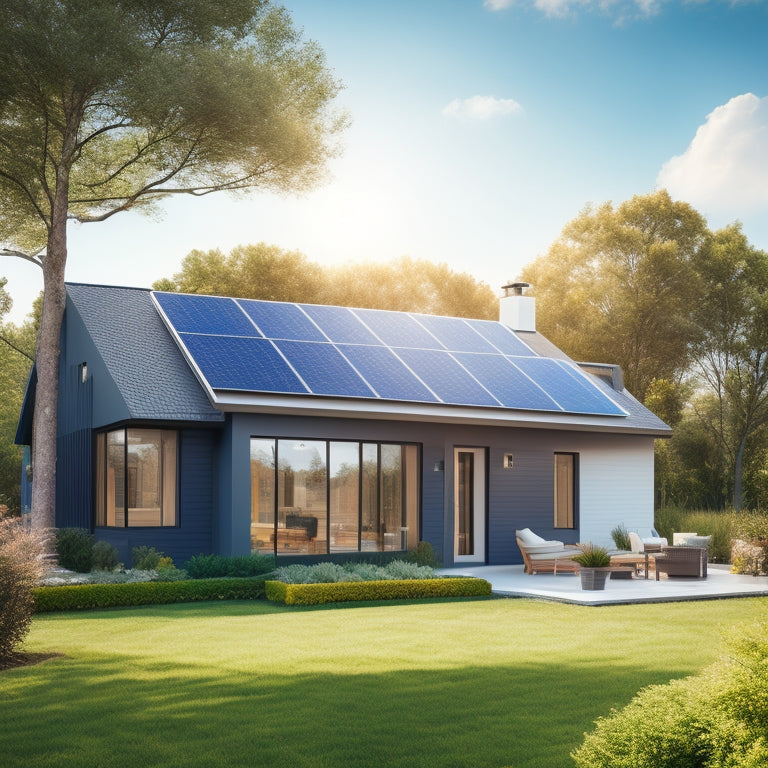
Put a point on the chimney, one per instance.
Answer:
(515, 310)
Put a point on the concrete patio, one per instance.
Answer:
(510, 581)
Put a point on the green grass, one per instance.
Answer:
(438, 684)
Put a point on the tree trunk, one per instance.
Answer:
(44, 427)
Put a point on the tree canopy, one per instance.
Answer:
(270, 273)
(111, 105)
(618, 284)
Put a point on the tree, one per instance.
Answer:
(111, 105)
(618, 284)
(249, 271)
(17, 348)
(732, 354)
(270, 273)
(413, 285)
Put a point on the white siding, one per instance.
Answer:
(616, 486)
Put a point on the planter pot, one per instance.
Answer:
(594, 578)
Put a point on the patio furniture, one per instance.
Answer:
(542, 556)
(640, 555)
(682, 561)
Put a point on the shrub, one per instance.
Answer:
(717, 719)
(170, 572)
(411, 589)
(620, 537)
(148, 558)
(422, 554)
(21, 565)
(322, 573)
(85, 596)
(105, 556)
(215, 566)
(74, 546)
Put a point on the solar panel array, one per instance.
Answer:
(273, 347)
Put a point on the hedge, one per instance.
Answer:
(76, 597)
(345, 591)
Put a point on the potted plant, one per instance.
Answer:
(595, 566)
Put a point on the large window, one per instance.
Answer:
(566, 476)
(321, 496)
(136, 478)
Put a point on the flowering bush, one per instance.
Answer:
(21, 565)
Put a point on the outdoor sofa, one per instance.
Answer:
(542, 556)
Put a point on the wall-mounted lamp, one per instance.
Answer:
(509, 461)
(83, 372)
(439, 466)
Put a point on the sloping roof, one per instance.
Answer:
(141, 357)
(282, 357)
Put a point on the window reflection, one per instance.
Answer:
(318, 496)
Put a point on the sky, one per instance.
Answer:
(479, 128)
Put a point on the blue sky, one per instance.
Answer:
(479, 129)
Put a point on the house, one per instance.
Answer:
(201, 424)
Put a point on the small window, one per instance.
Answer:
(566, 468)
(136, 478)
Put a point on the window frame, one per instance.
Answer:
(572, 491)
(407, 494)
(101, 486)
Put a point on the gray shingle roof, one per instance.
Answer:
(140, 355)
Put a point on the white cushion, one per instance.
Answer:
(635, 542)
(658, 541)
(547, 546)
(561, 555)
(529, 538)
(678, 539)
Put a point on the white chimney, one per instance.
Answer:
(515, 310)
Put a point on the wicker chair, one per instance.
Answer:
(682, 561)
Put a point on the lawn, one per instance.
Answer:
(474, 683)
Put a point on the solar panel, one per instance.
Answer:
(190, 313)
(323, 369)
(238, 363)
(573, 392)
(392, 380)
(397, 329)
(501, 337)
(507, 383)
(339, 324)
(281, 321)
(446, 378)
(275, 347)
(454, 333)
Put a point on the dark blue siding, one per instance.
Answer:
(197, 483)
(73, 447)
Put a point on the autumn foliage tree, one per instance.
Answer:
(112, 105)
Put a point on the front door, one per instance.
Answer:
(469, 505)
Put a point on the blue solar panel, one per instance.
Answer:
(501, 337)
(396, 329)
(281, 321)
(454, 333)
(324, 370)
(506, 382)
(573, 392)
(373, 354)
(445, 377)
(391, 379)
(234, 362)
(214, 315)
(339, 324)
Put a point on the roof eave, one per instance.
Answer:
(240, 402)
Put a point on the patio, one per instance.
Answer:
(510, 581)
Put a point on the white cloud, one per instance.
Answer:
(723, 172)
(481, 107)
(560, 8)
